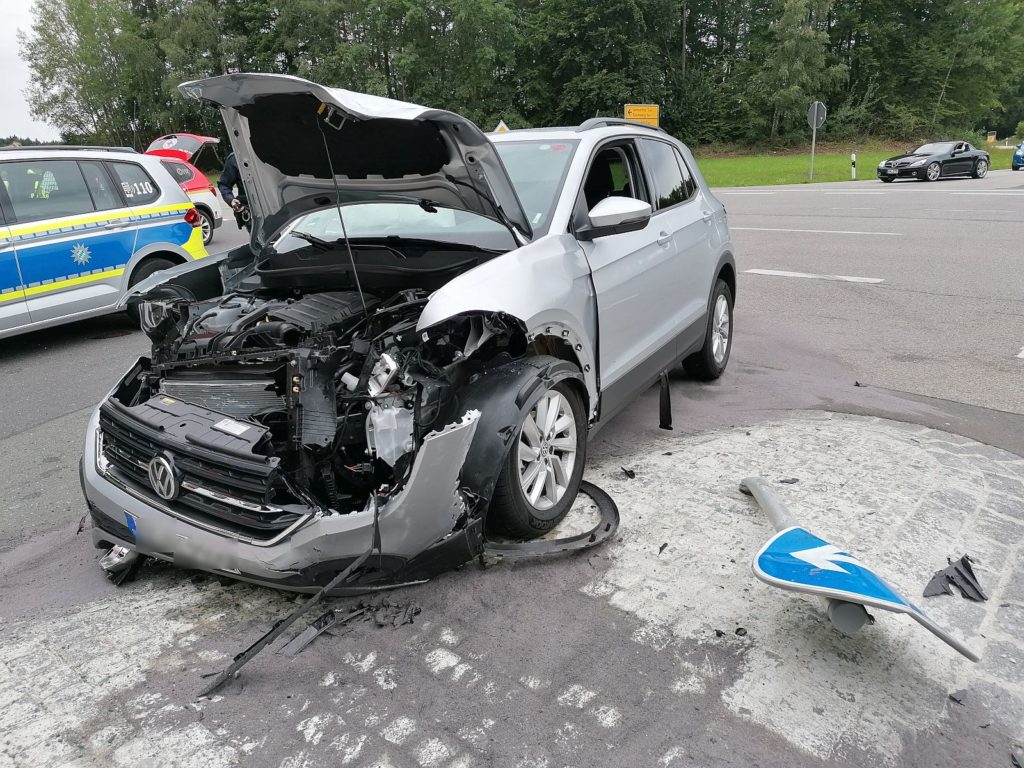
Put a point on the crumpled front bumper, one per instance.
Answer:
(425, 515)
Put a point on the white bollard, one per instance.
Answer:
(853, 166)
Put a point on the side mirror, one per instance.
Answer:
(615, 215)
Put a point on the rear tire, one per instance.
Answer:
(541, 474)
(710, 362)
(144, 270)
(207, 226)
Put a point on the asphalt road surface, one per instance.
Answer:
(613, 659)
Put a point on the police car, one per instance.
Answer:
(79, 226)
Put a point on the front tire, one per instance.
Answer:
(933, 171)
(980, 170)
(887, 179)
(541, 474)
(709, 363)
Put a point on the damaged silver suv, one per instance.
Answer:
(411, 351)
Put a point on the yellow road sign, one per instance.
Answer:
(643, 113)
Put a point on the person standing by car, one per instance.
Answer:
(239, 203)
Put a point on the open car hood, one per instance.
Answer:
(289, 133)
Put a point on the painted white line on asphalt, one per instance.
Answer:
(817, 231)
(809, 276)
(853, 192)
(1021, 355)
(1000, 193)
(852, 208)
(967, 210)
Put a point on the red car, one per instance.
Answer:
(178, 152)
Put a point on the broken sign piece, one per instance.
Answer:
(960, 574)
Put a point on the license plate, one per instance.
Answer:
(891, 171)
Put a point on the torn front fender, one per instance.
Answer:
(546, 285)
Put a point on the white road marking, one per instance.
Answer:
(811, 276)
(853, 208)
(817, 231)
(854, 192)
(967, 210)
(999, 193)
(1021, 355)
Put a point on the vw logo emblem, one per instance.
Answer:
(162, 478)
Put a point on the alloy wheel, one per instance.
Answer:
(547, 450)
(934, 171)
(720, 330)
(981, 169)
(207, 227)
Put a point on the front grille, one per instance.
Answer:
(223, 494)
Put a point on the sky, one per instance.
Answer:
(14, 116)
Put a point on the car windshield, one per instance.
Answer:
(407, 220)
(537, 170)
(938, 148)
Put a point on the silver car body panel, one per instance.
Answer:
(546, 285)
(277, 197)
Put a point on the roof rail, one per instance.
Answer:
(604, 122)
(66, 147)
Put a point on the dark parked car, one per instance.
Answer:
(930, 162)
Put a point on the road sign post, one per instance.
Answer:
(815, 119)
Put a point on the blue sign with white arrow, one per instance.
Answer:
(796, 559)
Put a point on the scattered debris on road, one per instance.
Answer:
(629, 473)
(956, 699)
(960, 574)
(386, 612)
(741, 631)
(316, 628)
(121, 564)
(662, 547)
(789, 480)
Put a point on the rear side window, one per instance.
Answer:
(104, 196)
(666, 170)
(137, 187)
(45, 189)
(180, 172)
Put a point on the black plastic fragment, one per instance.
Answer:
(316, 628)
(628, 472)
(959, 574)
(665, 403)
(599, 534)
(789, 480)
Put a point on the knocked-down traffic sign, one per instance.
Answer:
(797, 560)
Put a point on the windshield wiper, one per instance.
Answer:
(313, 240)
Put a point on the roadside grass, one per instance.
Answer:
(726, 168)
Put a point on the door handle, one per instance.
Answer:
(664, 238)
(706, 215)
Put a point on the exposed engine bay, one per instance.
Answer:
(342, 385)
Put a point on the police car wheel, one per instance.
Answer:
(207, 226)
(144, 270)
